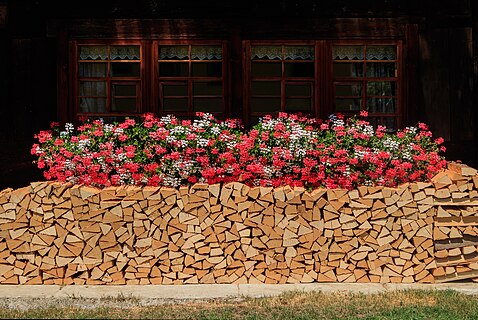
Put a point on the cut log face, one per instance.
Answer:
(418, 232)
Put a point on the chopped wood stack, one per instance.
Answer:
(53, 233)
(455, 231)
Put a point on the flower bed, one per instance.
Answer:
(288, 150)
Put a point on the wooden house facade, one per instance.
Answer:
(404, 61)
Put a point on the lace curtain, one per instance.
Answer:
(197, 53)
(357, 52)
(125, 53)
(275, 52)
(117, 53)
(206, 53)
(93, 53)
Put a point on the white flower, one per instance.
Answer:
(69, 127)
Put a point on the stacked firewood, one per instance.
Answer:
(53, 233)
(456, 224)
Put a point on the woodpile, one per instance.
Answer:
(455, 230)
(53, 233)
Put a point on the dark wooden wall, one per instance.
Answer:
(442, 57)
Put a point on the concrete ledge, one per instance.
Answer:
(214, 291)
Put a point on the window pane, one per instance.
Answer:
(93, 70)
(264, 69)
(93, 52)
(125, 53)
(381, 52)
(124, 105)
(378, 105)
(299, 69)
(266, 88)
(209, 69)
(389, 122)
(265, 105)
(347, 104)
(206, 53)
(381, 69)
(96, 105)
(93, 88)
(297, 104)
(170, 104)
(381, 89)
(348, 70)
(299, 53)
(175, 90)
(124, 90)
(120, 69)
(173, 53)
(298, 89)
(207, 88)
(348, 89)
(348, 52)
(207, 104)
(266, 52)
(173, 69)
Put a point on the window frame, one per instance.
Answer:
(247, 76)
(399, 113)
(140, 81)
(156, 81)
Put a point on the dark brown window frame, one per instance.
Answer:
(139, 81)
(399, 113)
(157, 80)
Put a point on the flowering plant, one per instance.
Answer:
(287, 150)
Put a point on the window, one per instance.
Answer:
(109, 79)
(113, 79)
(282, 78)
(366, 77)
(191, 79)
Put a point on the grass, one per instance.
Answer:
(412, 304)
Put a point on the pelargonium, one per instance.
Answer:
(287, 150)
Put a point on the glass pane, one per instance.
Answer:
(173, 53)
(209, 69)
(207, 104)
(170, 104)
(264, 69)
(266, 52)
(93, 70)
(381, 89)
(94, 53)
(297, 104)
(175, 90)
(124, 90)
(348, 70)
(381, 70)
(124, 105)
(206, 53)
(265, 88)
(93, 88)
(97, 105)
(124, 53)
(173, 69)
(299, 53)
(347, 104)
(348, 52)
(299, 69)
(207, 88)
(379, 105)
(265, 105)
(348, 89)
(120, 69)
(381, 52)
(303, 89)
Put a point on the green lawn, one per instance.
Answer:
(395, 305)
